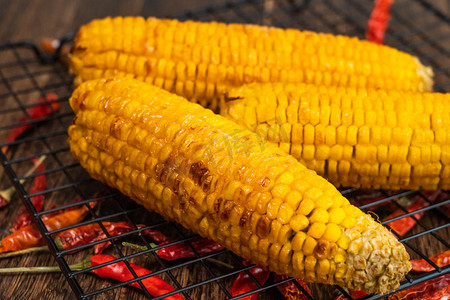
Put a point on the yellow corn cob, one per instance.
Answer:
(222, 181)
(357, 138)
(202, 60)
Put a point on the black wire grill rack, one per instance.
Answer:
(26, 73)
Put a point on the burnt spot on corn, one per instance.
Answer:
(263, 227)
(198, 171)
(217, 204)
(226, 210)
(244, 218)
(81, 101)
(227, 98)
(176, 186)
(264, 182)
(116, 127)
(321, 250)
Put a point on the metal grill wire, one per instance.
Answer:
(25, 74)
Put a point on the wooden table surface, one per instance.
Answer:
(35, 19)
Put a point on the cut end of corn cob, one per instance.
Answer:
(353, 137)
(200, 61)
(224, 182)
(427, 75)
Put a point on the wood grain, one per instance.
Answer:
(35, 19)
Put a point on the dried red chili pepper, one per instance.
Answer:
(89, 233)
(289, 290)
(403, 225)
(6, 194)
(29, 236)
(244, 283)
(46, 107)
(434, 289)
(378, 21)
(119, 271)
(202, 246)
(421, 265)
(156, 235)
(40, 184)
(113, 230)
(51, 45)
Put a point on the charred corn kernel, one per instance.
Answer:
(260, 203)
(373, 135)
(317, 229)
(207, 67)
(332, 233)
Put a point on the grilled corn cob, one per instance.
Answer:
(224, 182)
(202, 60)
(354, 138)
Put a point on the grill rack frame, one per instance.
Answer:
(239, 10)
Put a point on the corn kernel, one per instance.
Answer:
(273, 207)
(299, 222)
(319, 215)
(285, 178)
(355, 246)
(344, 242)
(298, 261)
(298, 240)
(293, 199)
(349, 222)
(340, 256)
(323, 267)
(285, 255)
(285, 213)
(309, 245)
(310, 263)
(317, 229)
(332, 233)
(341, 269)
(313, 193)
(336, 215)
(280, 190)
(306, 206)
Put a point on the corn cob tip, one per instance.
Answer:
(426, 73)
(380, 263)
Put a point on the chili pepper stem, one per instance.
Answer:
(143, 248)
(30, 270)
(25, 251)
(85, 263)
(7, 193)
